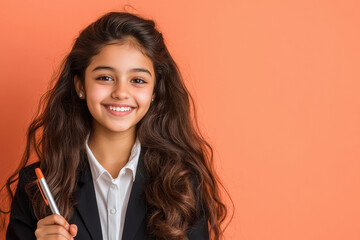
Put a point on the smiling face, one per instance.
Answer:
(118, 89)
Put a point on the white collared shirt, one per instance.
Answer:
(112, 195)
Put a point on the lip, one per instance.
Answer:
(116, 113)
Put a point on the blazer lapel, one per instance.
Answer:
(136, 209)
(87, 206)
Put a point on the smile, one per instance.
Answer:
(119, 109)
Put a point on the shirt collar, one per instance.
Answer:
(134, 158)
(97, 169)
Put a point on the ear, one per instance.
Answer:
(79, 87)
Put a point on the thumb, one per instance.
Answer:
(73, 229)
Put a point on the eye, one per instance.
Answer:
(138, 81)
(105, 78)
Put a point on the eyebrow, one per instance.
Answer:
(114, 70)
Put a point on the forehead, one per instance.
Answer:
(122, 56)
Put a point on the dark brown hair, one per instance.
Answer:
(178, 161)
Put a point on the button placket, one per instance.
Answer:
(112, 210)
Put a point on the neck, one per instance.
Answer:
(111, 150)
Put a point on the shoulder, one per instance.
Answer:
(22, 222)
(27, 174)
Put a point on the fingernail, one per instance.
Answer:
(67, 227)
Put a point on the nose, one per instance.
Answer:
(120, 91)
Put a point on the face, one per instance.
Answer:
(118, 89)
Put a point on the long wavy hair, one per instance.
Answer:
(178, 160)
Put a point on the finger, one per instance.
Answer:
(73, 230)
(52, 231)
(52, 237)
(54, 219)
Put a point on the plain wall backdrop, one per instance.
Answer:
(276, 84)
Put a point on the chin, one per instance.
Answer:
(121, 129)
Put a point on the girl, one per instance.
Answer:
(117, 145)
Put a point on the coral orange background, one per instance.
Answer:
(276, 84)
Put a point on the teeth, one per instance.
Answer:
(120, 109)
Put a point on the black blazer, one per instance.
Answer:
(23, 223)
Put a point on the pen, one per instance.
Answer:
(45, 191)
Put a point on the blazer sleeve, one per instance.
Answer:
(200, 230)
(22, 222)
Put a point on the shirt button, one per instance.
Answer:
(113, 211)
(113, 186)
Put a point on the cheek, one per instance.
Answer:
(144, 98)
(94, 95)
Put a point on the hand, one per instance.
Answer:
(55, 227)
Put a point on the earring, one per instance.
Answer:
(152, 99)
(80, 95)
